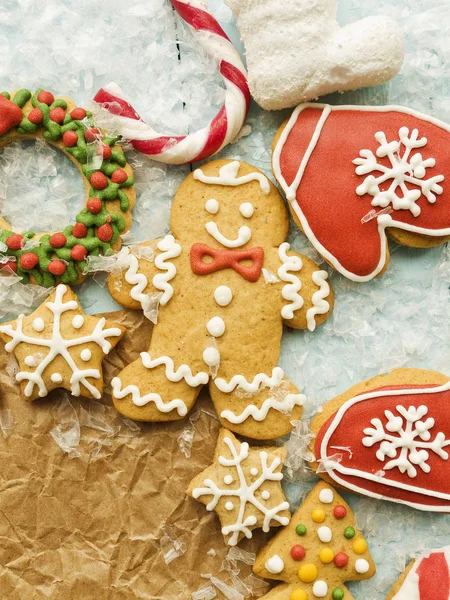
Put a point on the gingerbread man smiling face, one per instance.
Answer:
(227, 282)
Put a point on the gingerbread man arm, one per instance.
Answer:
(139, 278)
(308, 297)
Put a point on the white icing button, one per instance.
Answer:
(326, 496)
(216, 326)
(212, 206)
(320, 589)
(253, 471)
(246, 209)
(56, 377)
(38, 324)
(274, 564)
(325, 534)
(228, 479)
(30, 361)
(223, 295)
(78, 321)
(211, 356)
(85, 354)
(265, 494)
(229, 506)
(361, 565)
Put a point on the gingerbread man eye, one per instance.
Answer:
(246, 209)
(212, 206)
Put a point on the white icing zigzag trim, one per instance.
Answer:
(290, 291)
(228, 176)
(320, 305)
(139, 281)
(259, 380)
(139, 400)
(259, 414)
(183, 371)
(161, 280)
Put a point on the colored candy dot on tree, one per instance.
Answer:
(341, 560)
(339, 512)
(298, 595)
(105, 232)
(28, 260)
(349, 533)
(98, 180)
(105, 151)
(58, 240)
(79, 230)
(94, 205)
(57, 115)
(318, 515)
(14, 241)
(337, 594)
(35, 116)
(90, 135)
(298, 552)
(70, 138)
(300, 530)
(119, 176)
(57, 267)
(326, 555)
(10, 264)
(10, 114)
(78, 252)
(78, 113)
(359, 546)
(46, 97)
(308, 573)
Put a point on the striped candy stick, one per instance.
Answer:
(221, 130)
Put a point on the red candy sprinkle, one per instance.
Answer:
(35, 116)
(98, 180)
(94, 205)
(46, 98)
(14, 241)
(58, 240)
(78, 114)
(119, 176)
(28, 260)
(57, 267)
(90, 135)
(105, 232)
(105, 151)
(10, 264)
(70, 139)
(79, 230)
(10, 114)
(341, 560)
(57, 115)
(78, 252)
(298, 552)
(340, 512)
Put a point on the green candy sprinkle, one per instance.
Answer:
(338, 594)
(349, 533)
(300, 530)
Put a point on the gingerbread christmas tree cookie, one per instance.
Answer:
(317, 552)
(58, 346)
(243, 485)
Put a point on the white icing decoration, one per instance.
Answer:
(320, 305)
(164, 407)
(245, 493)
(334, 468)
(38, 324)
(228, 479)
(410, 586)
(211, 356)
(170, 249)
(56, 377)
(59, 346)
(325, 534)
(223, 295)
(265, 494)
(212, 206)
(78, 321)
(404, 168)
(228, 175)
(326, 496)
(259, 414)
(254, 471)
(320, 589)
(384, 221)
(290, 291)
(229, 505)
(86, 354)
(244, 235)
(183, 371)
(139, 281)
(411, 440)
(261, 380)
(30, 361)
(247, 209)
(216, 326)
(274, 564)
(361, 565)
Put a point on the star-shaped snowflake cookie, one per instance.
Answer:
(58, 346)
(243, 485)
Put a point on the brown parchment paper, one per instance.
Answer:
(95, 521)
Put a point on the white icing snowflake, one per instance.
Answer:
(57, 345)
(406, 434)
(406, 168)
(245, 493)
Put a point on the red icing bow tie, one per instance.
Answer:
(227, 259)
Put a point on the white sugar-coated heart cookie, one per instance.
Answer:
(296, 50)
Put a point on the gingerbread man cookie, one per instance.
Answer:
(228, 281)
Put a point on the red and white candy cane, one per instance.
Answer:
(226, 124)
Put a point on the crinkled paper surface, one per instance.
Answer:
(95, 516)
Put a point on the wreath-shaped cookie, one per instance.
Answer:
(44, 258)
